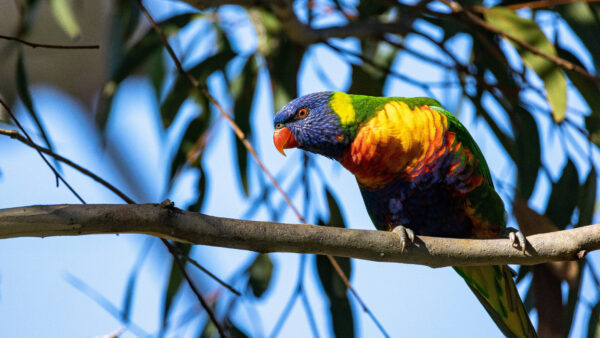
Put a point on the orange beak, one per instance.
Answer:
(284, 139)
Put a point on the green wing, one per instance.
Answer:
(484, 200)
(467, 140)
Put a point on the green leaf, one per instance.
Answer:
(366, 79)
(123, 23)
(129, 292)
(157, 71)
(547, 298)
(528, 154)
(587, 199)
(584, 19)
(143, 53)
(342, 319)
(528, 299)
(200, 192)
(131, 280)
(183, 89)
(589, 90)
(564, 197)
(243, 88)
(572, 299)
(368, 9)
(149, 44)
(284, 64)
(235, 332)
(64, 16)
(335, 214)
(528, 31)
(586, 86)
(176, 278)
(29, 17)
(25, 95)
(523, 271)
(194, 132)
(209, 330)
(260, 271)
(507, 143)
(470, 3)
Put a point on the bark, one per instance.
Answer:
(163, 220)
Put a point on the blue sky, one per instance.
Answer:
(37, 300)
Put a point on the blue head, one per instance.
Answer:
(309, 123)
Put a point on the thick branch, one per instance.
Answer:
(168, 222)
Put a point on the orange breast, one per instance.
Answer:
(398, 140)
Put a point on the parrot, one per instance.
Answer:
(419, 172)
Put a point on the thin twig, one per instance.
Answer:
(203, 269)
(544, 3)
(560, 62)
(14, 134)
(44, 45)
(56, 173)
(203, 302)
(386, 70)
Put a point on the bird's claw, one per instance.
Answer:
(517, 239)
(405, 234)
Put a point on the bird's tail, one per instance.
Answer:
(497, 292)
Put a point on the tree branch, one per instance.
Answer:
(560, 62)
(168, 222)
(305, 35)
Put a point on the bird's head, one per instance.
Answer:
(309, 123)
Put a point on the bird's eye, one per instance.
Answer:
(302, 112)
(279, 126)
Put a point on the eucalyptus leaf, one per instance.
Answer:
(243, 88)
(342, 319)
(587, 199)
(528, 151)
(593, 325)
(260, 273)
(25, 95)
(564, 197)
(528, 31)
(584, 19)
(64, 16)
(176, 279)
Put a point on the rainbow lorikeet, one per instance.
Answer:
(419, 171)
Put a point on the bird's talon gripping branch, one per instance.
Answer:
(167, 204)
(516, 238)
(406, 235)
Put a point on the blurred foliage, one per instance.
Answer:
(522, 96)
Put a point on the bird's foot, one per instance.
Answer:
(407, 236)
(517, 239)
